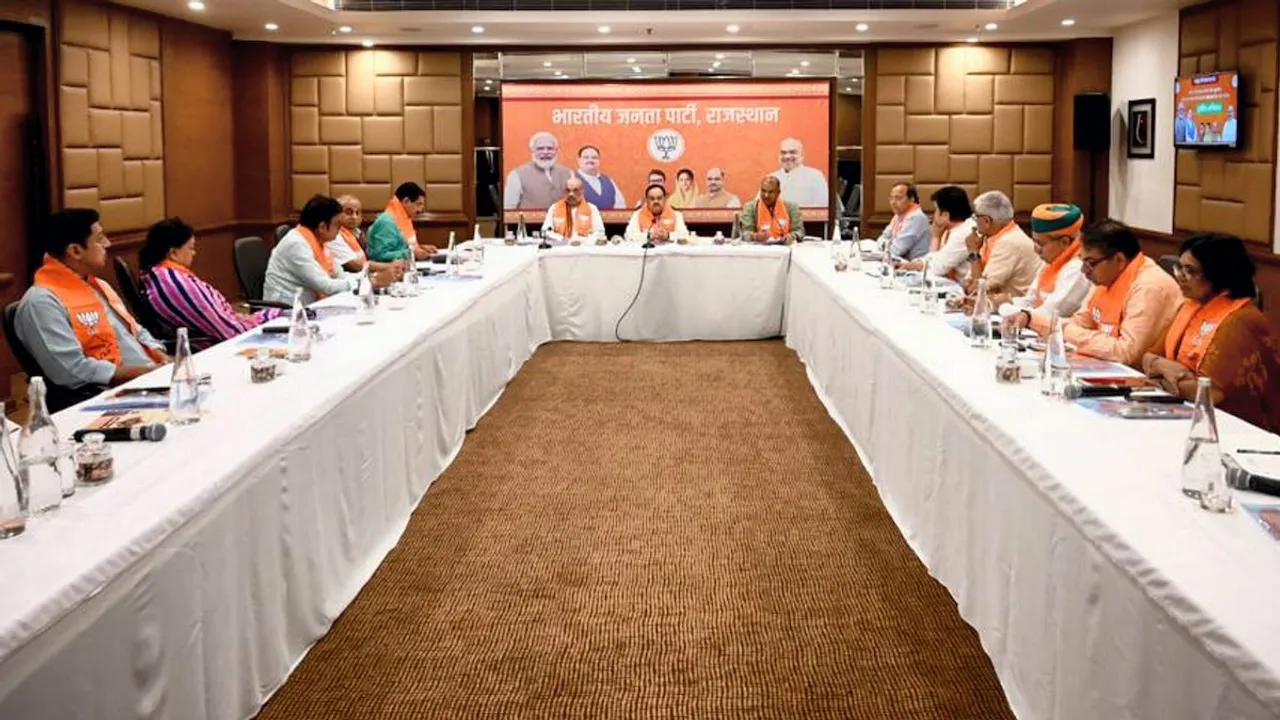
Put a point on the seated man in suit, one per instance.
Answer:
(771, 219)
(73, 323)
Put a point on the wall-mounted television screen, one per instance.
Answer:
(1208, 110)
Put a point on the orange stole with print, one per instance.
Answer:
(403, 221)
(317, 251)
(1048, 280)
(582, 216)
(667, 218)
(989, 245)
(1106, 304)
(1195, 325)
(352, 243)
(896, 223)
(85, 309)
(779, 224)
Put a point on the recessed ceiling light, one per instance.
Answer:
(848, 89)
(804, 63)
(711, 69)
(196, 5)
(861, 27)
(367, 43)
(635, 68)
(344, 29)
(971, 39)
(715, 64)
(1068, 22)
(477, 29)
(559, 72)
(546, 63)
(631, 61)
(991, 26)
(719, 56)
(272, 27)
(732, 29)
(604, 29)
(795, 71)
(857, 80)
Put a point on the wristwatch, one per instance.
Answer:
(974, 256)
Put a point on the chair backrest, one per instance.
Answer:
(56, 396)
(138, 304)
(282, 230)
(1168, 262)
(251, 258)
(20, 351)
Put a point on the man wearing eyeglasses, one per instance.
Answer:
(1132, 304)
(998, 249)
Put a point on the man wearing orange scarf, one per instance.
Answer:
(301, 262)
(392, 235)
(573, 218)
(346, 248)
(771, 219)
(907, 236)
(72, 322)
(1060, 285)
(1132, 304)
(655, 221)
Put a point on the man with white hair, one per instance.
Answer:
(998, 249)
(802, 185)
(540, 182)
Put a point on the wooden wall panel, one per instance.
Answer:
(1083, 66)
(260, 74)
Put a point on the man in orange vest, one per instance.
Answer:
(72, 322)
(573, 218)
(771, 219)
(656, 221)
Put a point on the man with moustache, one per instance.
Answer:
(715, 196)
(600, 190)
(539, 182)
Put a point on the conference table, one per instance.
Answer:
(191, 585)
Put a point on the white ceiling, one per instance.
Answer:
(312, 21)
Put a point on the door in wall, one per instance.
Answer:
(19, 130)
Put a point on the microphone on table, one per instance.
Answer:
(648, 239)
(153, 432)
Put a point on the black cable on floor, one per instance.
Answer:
(644, 261)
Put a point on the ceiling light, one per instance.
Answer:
(546, 63)
(344, 29)
(711, 69)
(971, 39)
(719, 56)
(477, 29)
(196, 5)
(861, 27)
(604, 29)
(1068, 22)
(715, 64)
(804, 63)
(367, 43)
(732, 29)
(631, 61)
(559, 72)
(991, 26)
(795, 71)
(635, 68)
(272, 27)
(848, 89)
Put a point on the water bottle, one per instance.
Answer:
(855, 250)
(477, 246)
(299, 331)
(451, 261)
(1203, 476)
(13, 491)
(365, 300)
(38, 454)
(522, 233)
(184, 385)
(980, 321)
(887, 271)
(1056, 378)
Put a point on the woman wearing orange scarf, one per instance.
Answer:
(1220, 334)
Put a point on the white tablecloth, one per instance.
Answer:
(190, 586)
(1097, 589)
(718, 292)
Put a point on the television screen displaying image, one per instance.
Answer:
(1208, 110)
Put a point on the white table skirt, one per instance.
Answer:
(1097, 589)
(721, 292)
(189, 587)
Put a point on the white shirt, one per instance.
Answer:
(954, 254)
(635, 235)
(1069, 292)
(804, 186)
(340, 251)
(292, 267)
(597, 225)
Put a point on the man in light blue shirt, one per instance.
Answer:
(301, 262)
(907, 235)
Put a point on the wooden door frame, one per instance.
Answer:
(40, 162)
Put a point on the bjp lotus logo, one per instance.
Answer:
(666, 145)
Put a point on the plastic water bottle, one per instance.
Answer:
(1056, 378)
(365, 300)
(38, 454)
(855, 251)
(522, 232)
(13, 492)
(980, 321)
(184, 384)
(1203, 475)
(299, 331)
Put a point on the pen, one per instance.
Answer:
(1247, 451)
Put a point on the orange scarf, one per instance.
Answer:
(779, 225)
(582, 217)
(317, 251)
(1048, 280)
(989, 245)
(352, 243)
(1195, 325)
(82, 297)
(171, 265)
(1106, 304)
(668, 218)
(403, 221)
(896, 223)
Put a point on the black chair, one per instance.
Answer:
(138, 303)
(251, 259)
(1169, 262)
(56, 397)
(282, 230)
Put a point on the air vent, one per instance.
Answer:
(663, 5)
(410, 29)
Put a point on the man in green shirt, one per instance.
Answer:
(769, 218)
(392, 236)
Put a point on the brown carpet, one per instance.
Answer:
(634, 530)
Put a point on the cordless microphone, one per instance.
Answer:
(154, 432)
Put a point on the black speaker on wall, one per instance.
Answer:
(1092, 127)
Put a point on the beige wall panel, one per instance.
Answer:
(1208, 62)
(105, 128)
(1024, 89)
(85, 24)
(1213, 177)
(432, 91)
(884, 185)
(978, 97)
(1233, 181)
(1199, 33)
(1032, 169)
(995, 172)
(928, 129)
(310, 159)
(360, 79)
(136, 135)
(1188, 66)
(73, 107)
(74, 66)
(931, 165)
(1038, 126)
(1032, 61)
(81, 198)
(157, 131)
(377, 168)
(407, 168)
(371, 195)
(154, 71)
(120, 85)
(971, 134)
(419, 136)
(439, 64)
(153, 195)
(340, 130)
(111, 174)
(926, 191)
(891, 89)
(895, 159)
(305, 91)
(964, 169)
(987, 60)
(1221, 216)
(1265, 120)
(135, 178)
(99, 79)
(1008, 129)
(383, 135)
(890, 124)
(333, 95)
(447, 129)
(949, 81)
(444, 168)
(1266, 75)
(79, 167)
(144, 37)
(304, 125)
(122, 213)
(346, 165)
(1186, 207)
(1027, 197)
(1187, 167)
(1229, 36)
(1259, 21)
(388, 96)
(1255, 181)
(395, 62)
(920, 95)
(444, 197)
(906, 61)
(319, 62)
(304, 186)
(139, 83)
